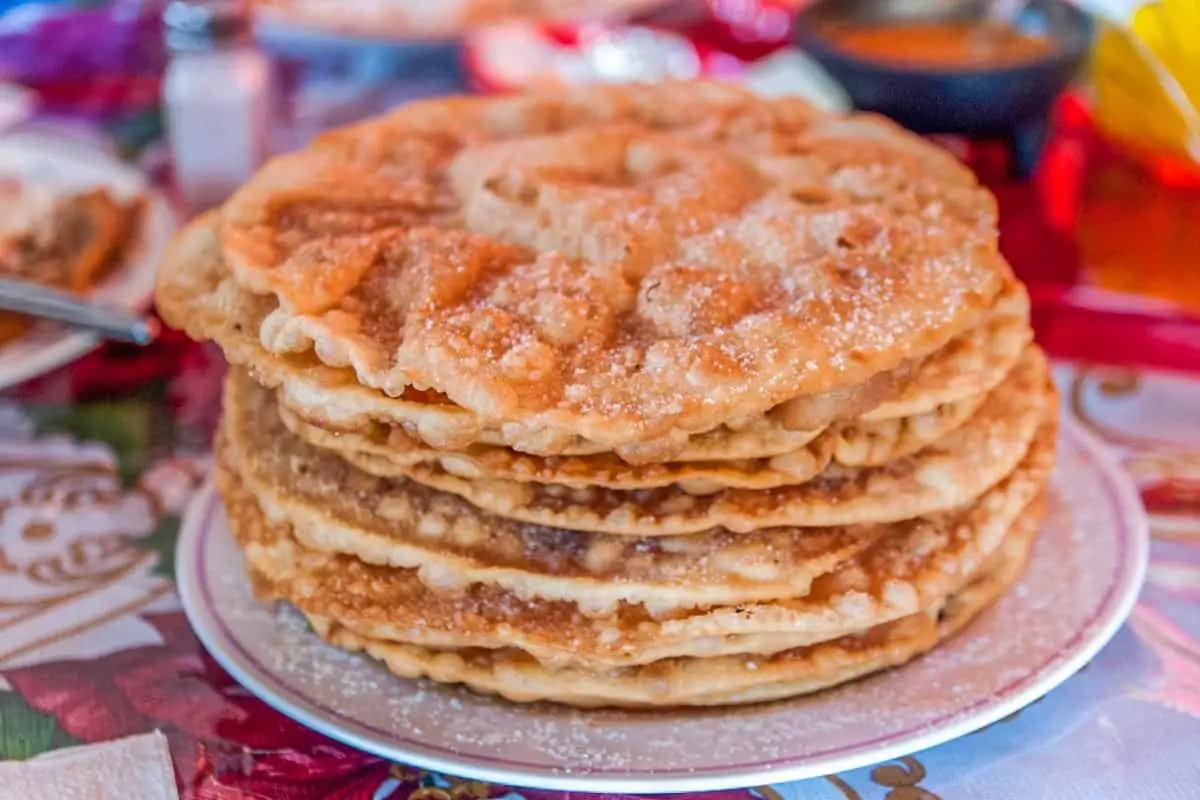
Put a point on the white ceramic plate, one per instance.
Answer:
(61, 162)
(1080, 585)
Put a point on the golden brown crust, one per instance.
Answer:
(872, 443)
(795, 664)
(900, 574)
(333, 506)
(600, 469)
(970, 365)
(196, 293)
(854, 443)
(722, 680)
(623, 264)
(946, 474)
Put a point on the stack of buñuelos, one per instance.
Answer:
(637, 396)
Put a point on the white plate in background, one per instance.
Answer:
(68, 166)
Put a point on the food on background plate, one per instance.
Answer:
(68, 241)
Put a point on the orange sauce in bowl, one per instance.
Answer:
(940, 44)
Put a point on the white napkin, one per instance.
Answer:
(138, 766)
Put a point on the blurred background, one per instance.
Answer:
(1081, 117)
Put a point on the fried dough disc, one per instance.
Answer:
(902, 573)
(722, 680)
(944, 475)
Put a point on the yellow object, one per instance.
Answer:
(1147, 79)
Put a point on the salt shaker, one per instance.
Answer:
(218, 98)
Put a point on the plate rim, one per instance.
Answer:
(65, 345)
(1092, 636)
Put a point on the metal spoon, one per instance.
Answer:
(39, 301)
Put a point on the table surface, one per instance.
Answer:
(98, 460)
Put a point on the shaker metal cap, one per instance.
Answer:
(204, 24)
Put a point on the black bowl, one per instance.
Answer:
(1009, 101)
